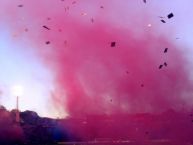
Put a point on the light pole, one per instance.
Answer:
(17, 110)
(17, 91)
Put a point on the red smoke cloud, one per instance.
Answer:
(91, 77)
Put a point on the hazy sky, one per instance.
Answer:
(24, 68)
(19, 68)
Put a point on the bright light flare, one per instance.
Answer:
(149, 25)
(17, 90)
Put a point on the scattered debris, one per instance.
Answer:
(46, 27)
(26, 29)
(165, 64)
(65, 43)
(67, 8)
(163, 21)
(92, 20)
(161, 17)
(160, 66)
(170, 15)
(165, 50)
(20, 6)
(113, 44)
(83, 14)
(73, 2)
(47, 42)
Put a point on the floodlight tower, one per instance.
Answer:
(17, 110)
(17, 90)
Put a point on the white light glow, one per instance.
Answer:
(17, 90)
(149, 25)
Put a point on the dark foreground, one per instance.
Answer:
(158, 142)
(168, 128)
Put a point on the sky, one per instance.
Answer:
(49, 73)
(16, 71)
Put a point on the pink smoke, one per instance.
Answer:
(91, 77)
